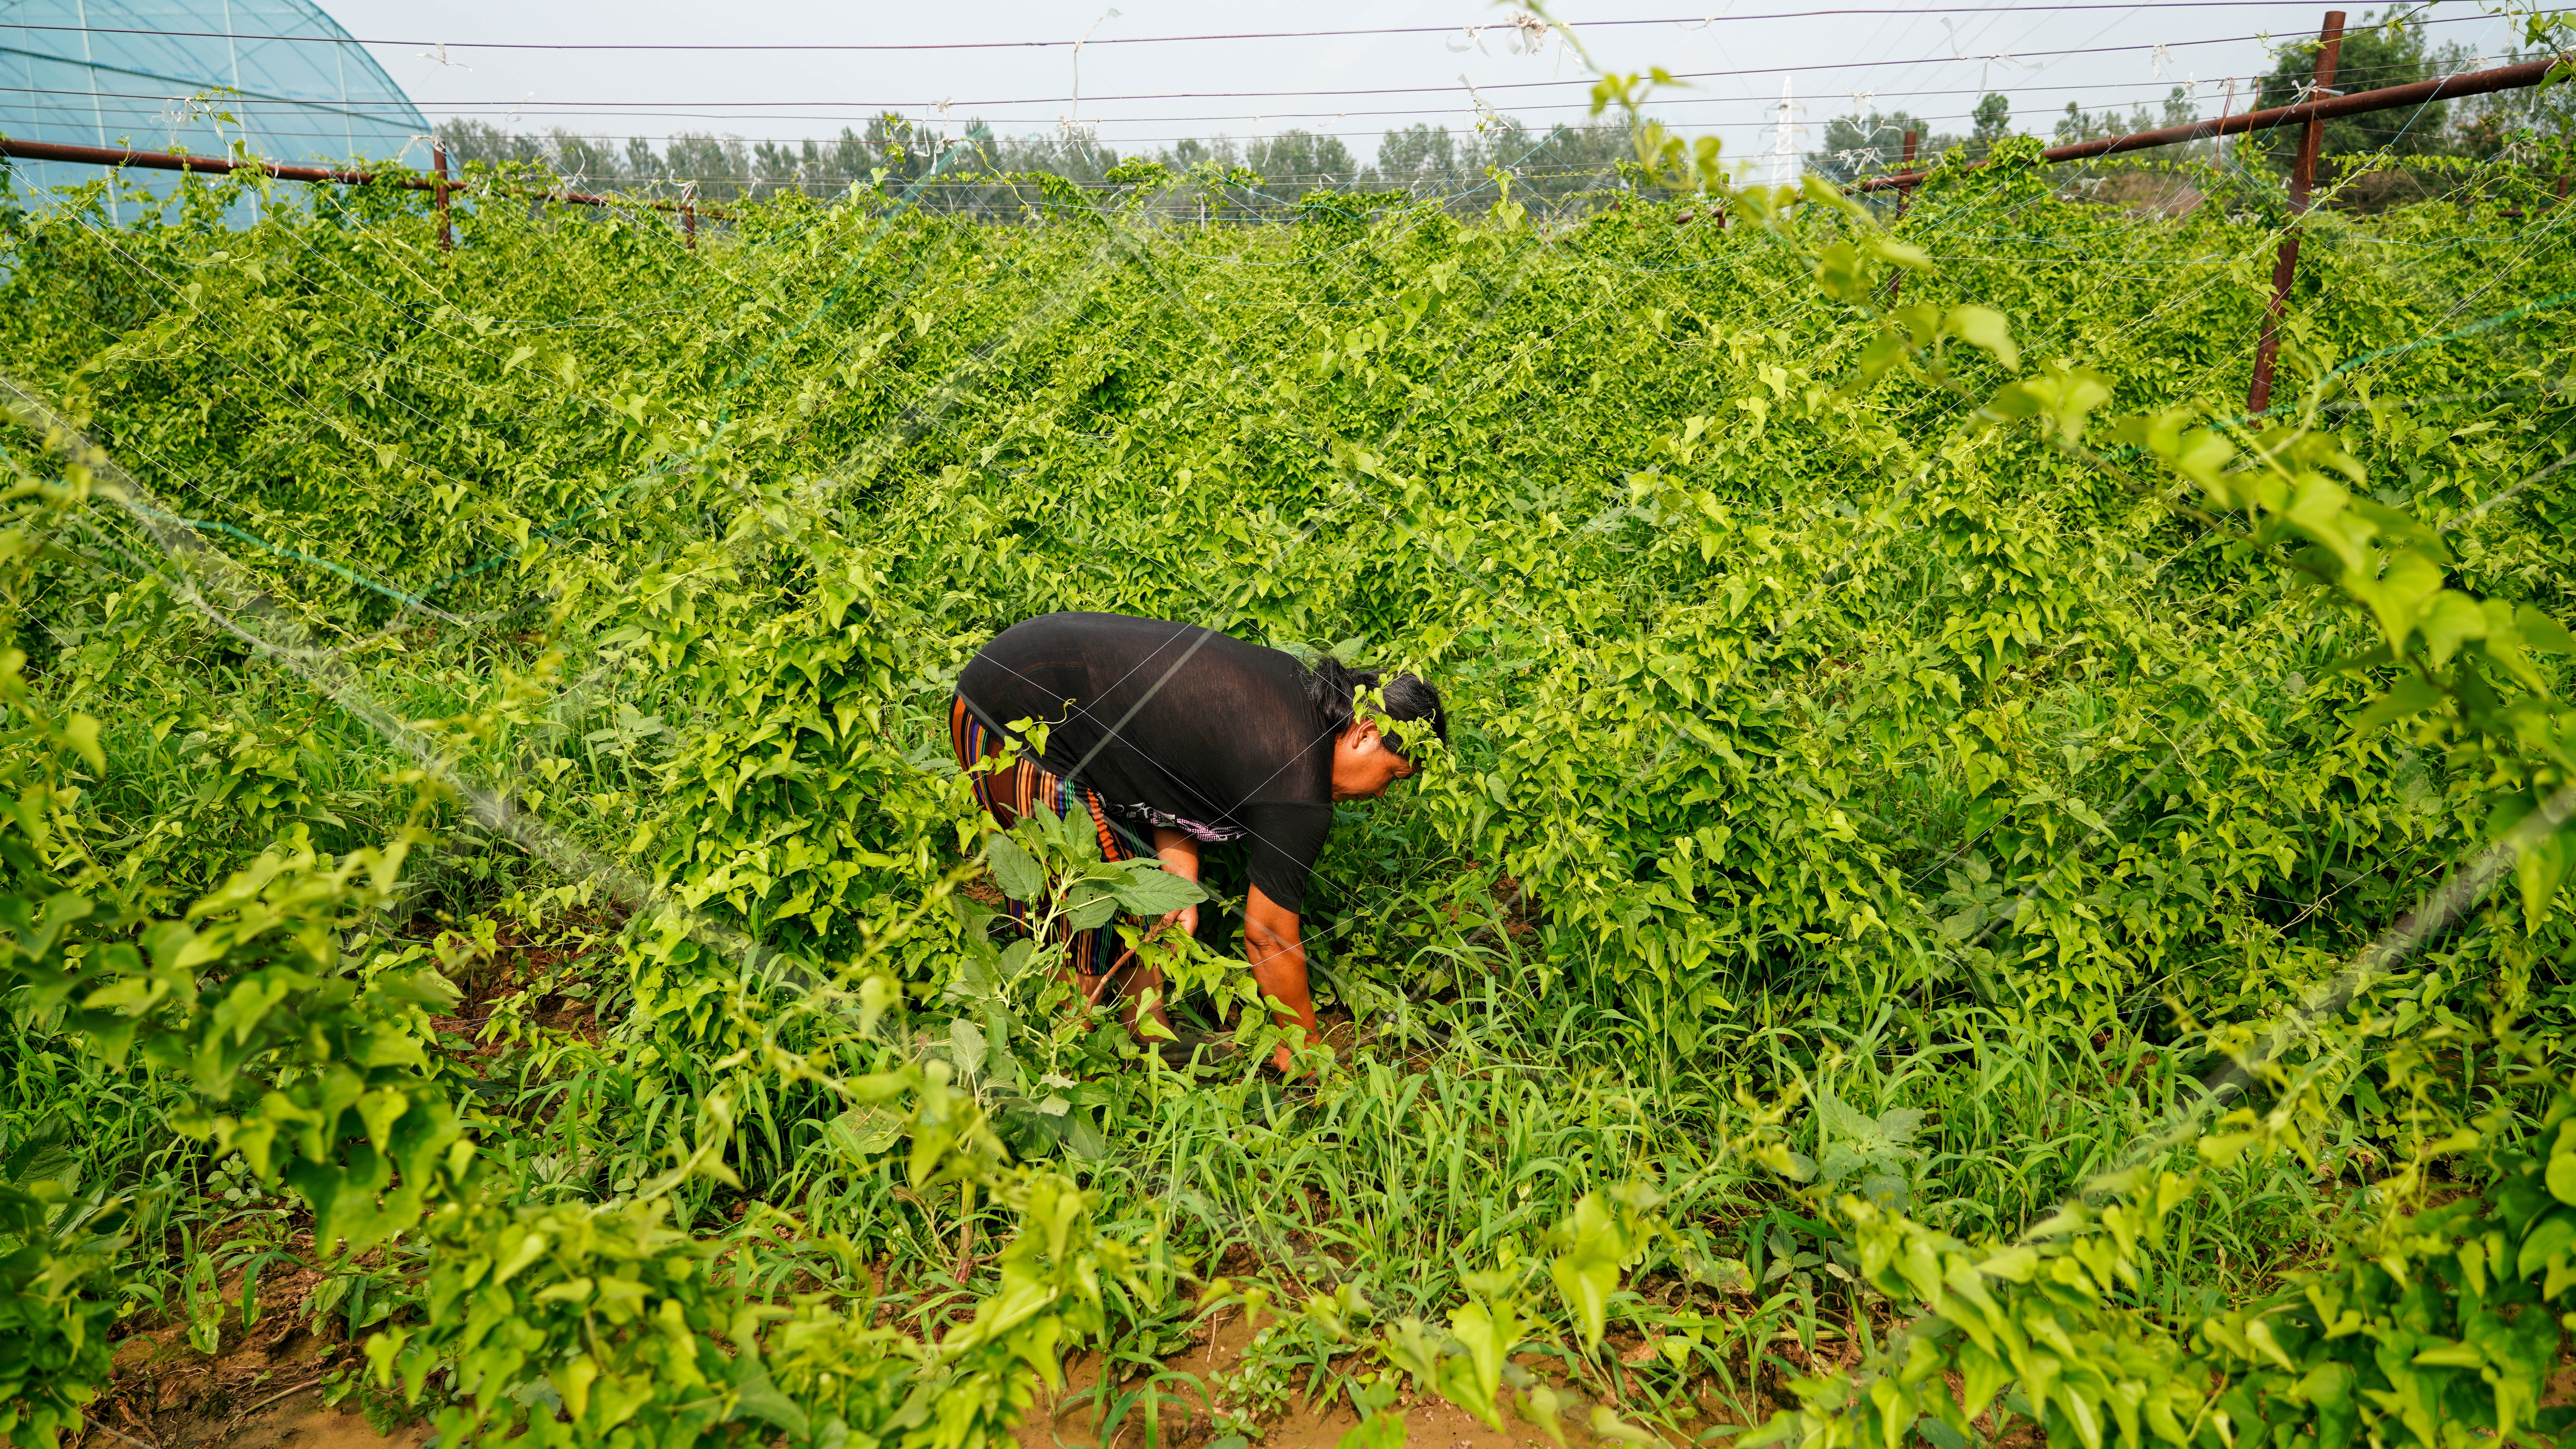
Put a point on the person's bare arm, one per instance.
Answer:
(1278, 958)
(1180, 856)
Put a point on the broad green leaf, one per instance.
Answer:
(1014, 869)
(1381, 1430)
(2202, 457)
(1838, 273)
(82, 732)
(2501, 642)
(2548, 1239)
(1607, 1424)
(863, 1132)
(1985, 1376)
(1081, 836)
(1454, 1377)
(1091, 905)
(574, 1380)
(967, 1046)
(2318, 508)
(1408, 1346)
(2259, 1334)
(1985, 328)
(2012, 1264)
(2538, 870)
(1591, 1241)
(2543, 633)
(2449, 621)
(2018, 399)
(2561, 1176)
(1898, 253)
(2397, 597)
(2411, 695)
(1822, 192)
(1151, 891)
(1015, 959)
(1488, 1340)
(528, 1249)
(2079, 1410)
(756, 1397)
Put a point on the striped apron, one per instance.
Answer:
(1011, 793)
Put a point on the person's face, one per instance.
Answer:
(1362, 764)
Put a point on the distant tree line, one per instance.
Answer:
(943, 166)
(2378, 53)
(972, 168)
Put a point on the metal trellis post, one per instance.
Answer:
(1896, 283)
(438, 163)
(2303, 180)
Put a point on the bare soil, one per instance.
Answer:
(262, 1392)
(1070, 1420)
(262, 1389)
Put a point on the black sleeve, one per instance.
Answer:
(1281, 844)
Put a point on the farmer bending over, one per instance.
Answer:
(1188, 738)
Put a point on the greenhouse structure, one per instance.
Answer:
(278, 76)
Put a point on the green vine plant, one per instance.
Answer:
(305, 1047)
(2438, 1320)
(566, 1324)
(1647, 877)
(1467, 1358)
(2435, 1324)
(2284, 492)
(295, 1043)
(1024, 1034)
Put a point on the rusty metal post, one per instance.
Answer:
(689, 226)
(2303, 180)
(1896, 284)
(438, 163)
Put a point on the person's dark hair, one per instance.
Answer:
(1331, 683)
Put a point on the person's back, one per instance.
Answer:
(1173, 736)
(1172, 725)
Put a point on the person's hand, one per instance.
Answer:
(1184, 921)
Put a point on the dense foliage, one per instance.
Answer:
(1909, 743)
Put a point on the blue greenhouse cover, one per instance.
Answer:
(156, 75)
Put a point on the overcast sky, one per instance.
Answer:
(1933, 61)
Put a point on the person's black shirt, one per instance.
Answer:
(1172, 724)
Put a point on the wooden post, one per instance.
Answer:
(1896, 284)
(2303, 180)
(689, 226)
(438, 163)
